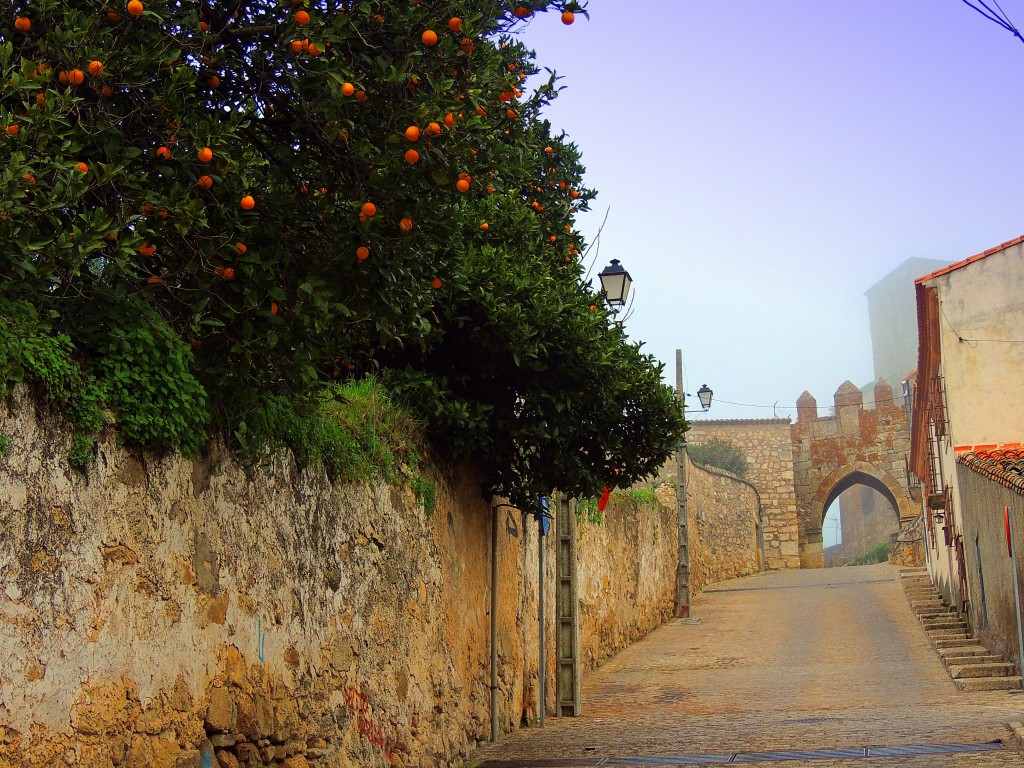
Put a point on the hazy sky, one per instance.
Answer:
(764, 162)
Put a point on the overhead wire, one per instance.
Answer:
(999, 18)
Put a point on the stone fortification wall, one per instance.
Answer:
(857, 445)
(724, 527)
(767, 446)
(177, 613)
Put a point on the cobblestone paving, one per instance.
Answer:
(790, 660)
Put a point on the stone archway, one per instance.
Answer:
(861, 473)
(855, 446)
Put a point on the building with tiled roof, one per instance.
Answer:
(967, 431)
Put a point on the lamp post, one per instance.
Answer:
(615, 281)
(704, 394)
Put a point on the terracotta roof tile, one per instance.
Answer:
(1005, 466)
(737, 422)
(969, 260)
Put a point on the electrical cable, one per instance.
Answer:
(998, 18)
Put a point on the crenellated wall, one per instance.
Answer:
(171, 613)
(855, 446)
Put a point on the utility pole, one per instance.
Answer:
(683, 569)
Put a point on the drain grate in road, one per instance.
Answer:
(750, 757)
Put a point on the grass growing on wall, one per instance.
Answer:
(355, 431)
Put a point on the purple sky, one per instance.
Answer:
(764, 163)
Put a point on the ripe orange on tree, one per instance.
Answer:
(405, 224)
(368, 209)
(248, 202)
(76, 77)
(568, 17)
(205, 182)
(135, 8)
(412, 133)
(462, 185)
(213, 82)
(455, 24)
(429, 37)
(436, 283)
(434, 129)
(12, 129)
(362, 253)
(23, 24)
(95, 68)
(163, 153)
(147, 249)
(313, 49)
(412, 156)
(347, 89)
(241, 248)
(205, 154)
(449, 120)
(81, 167)
(302, 18)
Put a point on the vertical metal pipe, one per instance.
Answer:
(1016, 591)
(494, 624)
(540, 617)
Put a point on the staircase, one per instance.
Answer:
(970, 664)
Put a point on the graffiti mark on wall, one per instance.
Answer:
(374, 732)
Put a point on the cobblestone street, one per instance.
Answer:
(784, 661)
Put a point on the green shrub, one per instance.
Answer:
(716, 452)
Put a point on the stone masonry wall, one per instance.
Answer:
(723, 519)
(768, 449)
(638, 579)
(867, 444)
(177, 613)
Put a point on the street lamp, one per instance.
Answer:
(704, 395)
(615, 281)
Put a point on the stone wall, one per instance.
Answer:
(767, 446)
(638, 579)
(724, 527)
(176, 613)
(856, 446)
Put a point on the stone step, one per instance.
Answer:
(930, 611)
(940, 618)
(939, 633)
(988, 684)
(955, 641)
(980, 670)
(938, 626)
(959, 661)
(963, 650)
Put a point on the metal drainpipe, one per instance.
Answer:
(760, 509)
(540, 616)
(494, 623)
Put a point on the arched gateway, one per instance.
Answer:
(855, 446)
(800, 468)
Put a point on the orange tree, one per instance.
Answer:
(218, 207)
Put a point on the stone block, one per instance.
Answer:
(220, 713)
